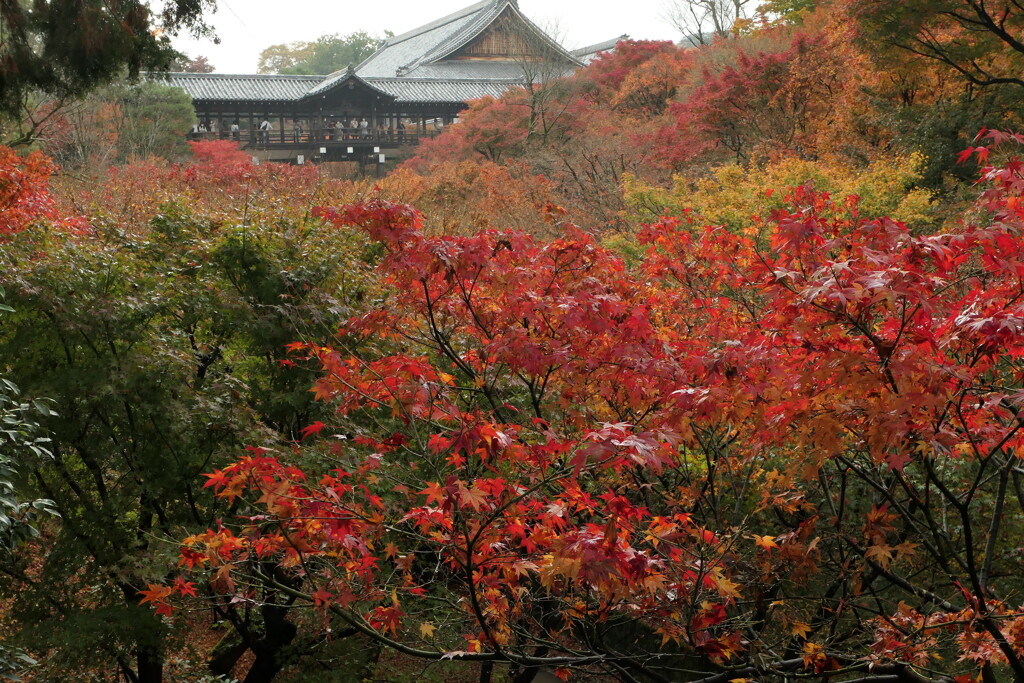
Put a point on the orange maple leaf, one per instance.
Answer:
(434, 492)
(155, 594)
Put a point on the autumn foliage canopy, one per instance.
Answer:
(788, 450)
(697, 364)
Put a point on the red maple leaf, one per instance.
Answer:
(183, 587)
(312, 429)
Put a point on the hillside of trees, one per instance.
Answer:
(702, 364)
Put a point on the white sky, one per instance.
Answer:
(246, 27)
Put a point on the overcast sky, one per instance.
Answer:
(246, 27)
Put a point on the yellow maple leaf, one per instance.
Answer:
(427, 629)
(800, 629)
(882, 554)
(726, 588)
(905, 549)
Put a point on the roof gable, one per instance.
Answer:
(345, 79)
(502, 38)
(509, 35)
(399, 52)
(455, 36)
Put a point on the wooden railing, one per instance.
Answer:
(334, 137)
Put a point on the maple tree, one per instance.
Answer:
(118, 123)
(755, 419)
(758, 102)
(157, 325)
(24, 191)
(199, 64)
(651, 86)
(489, 127)
(462, 198)
(610, 69)
(787, 450)
(979, 41)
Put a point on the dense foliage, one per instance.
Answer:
(55, 51)
(833, 85)
(117, 123)
(787, 451)
(326, 54)
(157, 332)
(700, 364)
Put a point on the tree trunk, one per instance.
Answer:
(267, 665)
(226, 654)
(150, 666)
(270, 649)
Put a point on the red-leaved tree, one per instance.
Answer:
(788, 452)
(24, 190)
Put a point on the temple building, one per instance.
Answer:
(413, 86)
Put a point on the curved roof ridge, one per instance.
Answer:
(449, 46)
(438, 23)
(465, 34)
(603, 46)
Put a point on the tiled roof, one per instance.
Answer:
(410, 67)
(422, 90)
(336, 79)
(405, 49)
(470, 30)
(590, 52)
(469, 70)
(222, 88)
(421, 53)
(244, 87)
